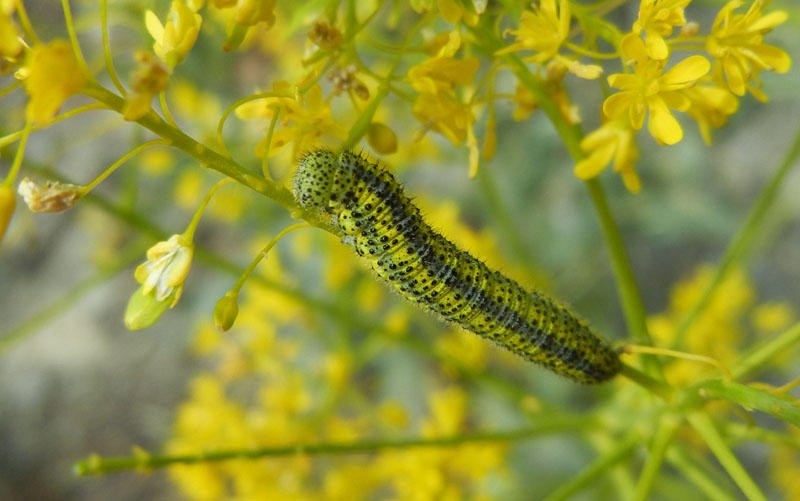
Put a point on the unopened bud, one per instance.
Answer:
(7, 204)
(690, 29)
(144, 309)
(52, 197)
(226, 311)
(382, 139)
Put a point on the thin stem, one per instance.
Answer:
(586, 52)
(744, 395)
(261, 255)
(697, 476)
(107, 48)
(10, 88)
(15, 166)
(189, 233)
(276, 111)
(765, 352)
(661, 442)
(704, 426)
(652, 350)
(654, 386)
(741, 432)
(622, 450)
(14, 136)
(742, 241)
(232, 108)
(25, 21)
(96, 465)
(162, 98)
(73, 38)
(89, 187)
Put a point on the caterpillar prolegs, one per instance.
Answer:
(382, 225)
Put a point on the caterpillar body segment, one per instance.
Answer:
(385, 227)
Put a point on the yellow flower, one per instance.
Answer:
(10, 44)
(613, 140)
(7, 204)
(544, 30)
(710, 107)
(309, 116)
(736, 42)
(53, 75)
(454, 11)
(149, 79)
(657, 19)
(51, 198)
(442, 73)
(648, 90)
(444, 114)
(252, 12)
(771, 317)
(166, 268)
(175, 39)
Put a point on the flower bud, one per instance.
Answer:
(226, 311)
(149, 78)
(144, 309)
(382, 139)
(51, 198)
(165, 270)
(325, 36)
(7, 204)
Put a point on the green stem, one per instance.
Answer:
(741, 432)
(232, 108)
(89, 187)
(107, 47)
(707, 485)
(661, 442)
(189, 233)
(704, 426)
(742, 241)
(746, 396)
(11, 87)
(96, 465)
(162, 99)
(765, 352)
(654, 386)
(17, 164)
(622, 450)
(261, 255)
(73, 38)
(15, 136)
(276, 111)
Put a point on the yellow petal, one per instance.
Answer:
(624, 81)
(617, 104)
(594, 164)
(769, 21)
(656, 46)
(631, 180)
(153, 25)
(773, 58)
(734, 73)
(685, 73)
(663, 126)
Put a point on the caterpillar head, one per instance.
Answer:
(313, 180)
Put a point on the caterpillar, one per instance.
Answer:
(378, 220)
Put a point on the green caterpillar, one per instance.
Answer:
(382, 225)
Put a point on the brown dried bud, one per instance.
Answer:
(51, 198)
(326, 36)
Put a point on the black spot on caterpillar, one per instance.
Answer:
(382, 225)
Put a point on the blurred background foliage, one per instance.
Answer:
(321, 352)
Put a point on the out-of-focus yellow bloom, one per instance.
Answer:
(737, 43)
(7, 204)
(52, 76)
(468, 350)
(382, 138)
(155, 161)
(252, 12)
(657, 18)
(710, 107)
(188, 188)
(303, 119)
(614, 140)
(444, 114)
(11, 46)
(648, 90)
(149, 78)
(338, 370)
(454, 11)
(51, 198)
(771, 317)
(165, 270)
(544, 30)
(393, 414)
(442, 73)
(174, 40)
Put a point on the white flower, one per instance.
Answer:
(166, 268)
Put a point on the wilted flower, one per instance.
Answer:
(51, 198)
(149, 79)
